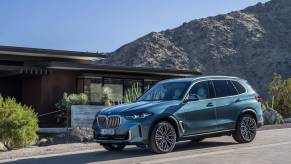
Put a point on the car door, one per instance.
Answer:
(226, 97)
(199, 116)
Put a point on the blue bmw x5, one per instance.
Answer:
(182, 109)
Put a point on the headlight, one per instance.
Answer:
(137, 116)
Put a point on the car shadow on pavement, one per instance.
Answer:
(127, 153)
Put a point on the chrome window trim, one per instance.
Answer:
(211, 79)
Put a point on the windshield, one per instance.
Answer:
(166, 91)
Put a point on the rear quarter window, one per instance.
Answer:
(240, 89)
(224, 88)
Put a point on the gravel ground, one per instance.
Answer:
(73, 147)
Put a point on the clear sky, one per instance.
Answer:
(99, 25)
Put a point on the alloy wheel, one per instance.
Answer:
(248, 128)
(165, 137)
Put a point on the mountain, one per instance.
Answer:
(251, 43)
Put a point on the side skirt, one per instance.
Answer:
(207, 135)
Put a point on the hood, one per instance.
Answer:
(141, 106)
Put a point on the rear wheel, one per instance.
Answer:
(163, 138)
(246, 129)
(114, 147)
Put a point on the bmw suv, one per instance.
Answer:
(182, 109)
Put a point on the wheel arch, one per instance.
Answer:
(172, 120)
(249, 111)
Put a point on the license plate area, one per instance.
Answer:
(107, 132)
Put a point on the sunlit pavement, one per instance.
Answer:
(269, 147)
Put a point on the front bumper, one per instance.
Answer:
(129, 133)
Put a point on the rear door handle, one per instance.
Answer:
(209, 105)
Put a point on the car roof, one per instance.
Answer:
(202, 78)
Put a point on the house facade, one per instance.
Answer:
(39, 77)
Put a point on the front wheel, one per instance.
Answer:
(163, 137)
(114, 147)
(246, 129)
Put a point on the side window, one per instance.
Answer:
(240, 89)
(201, 89)
(224, 88)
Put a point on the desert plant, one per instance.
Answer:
(18, 124)
(280, 91)
(271, 117)
(132, 94)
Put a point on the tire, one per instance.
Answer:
(196, 140)
(246, 129)
(113, 147)
(163, 138)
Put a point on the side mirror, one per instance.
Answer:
(192, 97)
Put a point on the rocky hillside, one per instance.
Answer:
(251, 43)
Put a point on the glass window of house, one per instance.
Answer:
(95, 90)
(92, 88)
(80, 86)
(148, 84)
(86, 85)
(129, 83)
(116, 86)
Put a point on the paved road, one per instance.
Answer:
(269, 147)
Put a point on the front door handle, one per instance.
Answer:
(209, 105)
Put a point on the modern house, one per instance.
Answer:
(39, 77)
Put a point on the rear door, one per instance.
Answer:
(226, 96)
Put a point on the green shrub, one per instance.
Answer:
(18, 124)
(63, 117)
(271, 117)
(73, 99)
(280, 91)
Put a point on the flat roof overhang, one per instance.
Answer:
(49, 53)
(120, 69)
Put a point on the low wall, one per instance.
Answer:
(83, 115)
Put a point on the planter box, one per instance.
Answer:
(287, 120)
(83, 115)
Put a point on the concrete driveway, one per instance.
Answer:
(269, 147)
